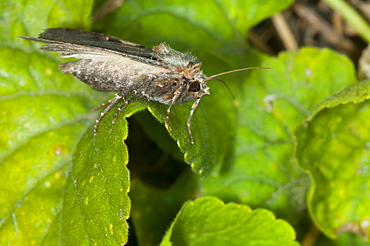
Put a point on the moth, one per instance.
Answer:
(111, 64)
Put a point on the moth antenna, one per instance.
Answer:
(213, 77)
(224, 84)
(236, 70)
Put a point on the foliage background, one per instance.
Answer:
(61, 185)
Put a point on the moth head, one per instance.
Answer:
(195, 80)
(198, 88)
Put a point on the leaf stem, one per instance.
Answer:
(350, 15)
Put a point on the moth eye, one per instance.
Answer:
(195, 86)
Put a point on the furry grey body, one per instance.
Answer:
(112, 64)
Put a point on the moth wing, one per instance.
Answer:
(67, 50)
(95, 39)
(108, 63)
(104, 69)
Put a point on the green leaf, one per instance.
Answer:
(96, 205)
(29, 18)
(43, 114)
(27, 180)
(200, 24)
(264, 172)
(208, 221)
(333, 147)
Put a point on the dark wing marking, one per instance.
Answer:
(104, 43)
(67, 35)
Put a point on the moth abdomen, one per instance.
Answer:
(90, 72)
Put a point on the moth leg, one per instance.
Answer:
(176, 95)
(168, 117)
(193, 108)
(124, 105)
(107, 102)
(110, 104)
